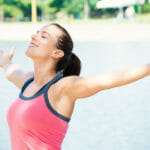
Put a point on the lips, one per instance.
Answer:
(32, 44)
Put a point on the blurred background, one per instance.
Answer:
(107, 35)
(50, 10)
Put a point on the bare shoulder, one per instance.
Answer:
(68, 81)
(26, 77)
(77, 87)
(65, 84)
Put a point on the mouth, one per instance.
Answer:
(32, 44)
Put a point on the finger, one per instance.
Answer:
(12, 52)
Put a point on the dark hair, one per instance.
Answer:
(69, 64)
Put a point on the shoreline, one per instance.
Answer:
(82, 32)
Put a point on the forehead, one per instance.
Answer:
(53, 30)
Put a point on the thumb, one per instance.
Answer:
(11, 52)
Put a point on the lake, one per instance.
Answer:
(114, 119)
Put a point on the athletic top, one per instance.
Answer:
(33, 123)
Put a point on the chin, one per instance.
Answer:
(31, 54)
(27, 53)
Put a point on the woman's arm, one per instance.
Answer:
(78, 87)
(12, 71)
(14, 74)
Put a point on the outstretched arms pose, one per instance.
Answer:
(13, 72)
(75, 86)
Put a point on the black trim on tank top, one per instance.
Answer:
(38, 93)
(53, 110)
(44, 90)
(50, 106)
(25, 85)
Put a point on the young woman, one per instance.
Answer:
(38, 119)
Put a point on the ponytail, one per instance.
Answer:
(71, 67)
(69, 64)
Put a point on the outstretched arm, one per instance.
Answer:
(12, 71)
(78, 87)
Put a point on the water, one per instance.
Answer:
(115, 119)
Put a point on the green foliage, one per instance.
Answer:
(73, 7)
(23, 2)
(13, 11)
(146, 8)
(56, 4)
(14, 8)
(92, 4)
(49, 8)
(43, 5)
(1, 2)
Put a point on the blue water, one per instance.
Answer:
(115, 119)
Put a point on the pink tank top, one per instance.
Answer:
(33, 123)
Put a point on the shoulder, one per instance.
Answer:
(65, 84)
(69, 81)
(27, 77)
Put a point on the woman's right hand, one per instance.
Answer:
(6, 58)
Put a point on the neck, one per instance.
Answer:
(43, 72)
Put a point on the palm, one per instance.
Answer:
(5, 58)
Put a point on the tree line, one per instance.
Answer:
(51, 9)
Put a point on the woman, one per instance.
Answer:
(38, 119)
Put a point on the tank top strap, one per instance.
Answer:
(52, 82)
(44, 89)
(47, 100)
(27, 82)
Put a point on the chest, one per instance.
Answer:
(60, 103)
(32, 115)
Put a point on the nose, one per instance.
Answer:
(34, 36)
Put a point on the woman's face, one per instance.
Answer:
(43, 43)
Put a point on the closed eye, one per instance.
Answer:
(44, 34)
(43, 37)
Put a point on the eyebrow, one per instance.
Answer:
(44, 32)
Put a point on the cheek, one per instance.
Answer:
(47, 48)
(47, 44)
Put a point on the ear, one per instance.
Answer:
(57, 54)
